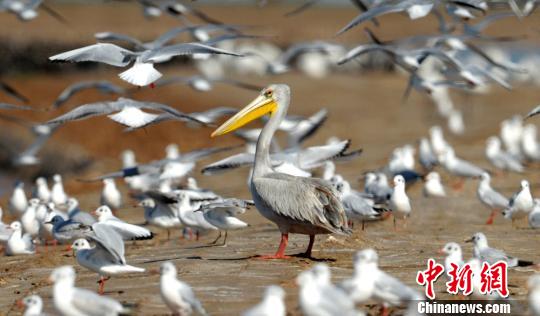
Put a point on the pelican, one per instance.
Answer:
(297, 205)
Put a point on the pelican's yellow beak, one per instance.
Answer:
(260, 106)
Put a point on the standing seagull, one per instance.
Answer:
(308, 206)
(399, 201)
(18, 201)
(58, 195)
(484, 253)
(107, 257)
(521, 203)
(69, 300)
(433, 185)
(110, 195)
(19, 244)
(178, 295)
(489, 197)
(272, 303)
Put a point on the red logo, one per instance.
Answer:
(492, 278)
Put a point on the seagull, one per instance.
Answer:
(369, 282)
(142, 72)
(272, 303)
(511, 134)
(453, 255)
(125, 230)
(399, 201)
(355, 205)
(484, 253)
(75, 214)
(42, 191)
(459, 167)
(18, 201)
(124, 111)
(426, 155)
(318, 296)
(58, 195)
(534, 215)
(110, 195)
(489, 197)
(500, 158)
(222, 214)
(521, 203)
(19, 244)
(29, 221)
(178, 295)
(107, 256)
(103, 86)
(534, 294)
(529, 143)
(433, 186)
(69, 300)
(188, 217)
(65, 231)
(33, 305)
(160, 214)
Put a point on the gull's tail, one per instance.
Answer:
(141, 74)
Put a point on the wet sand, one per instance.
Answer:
(365, 108)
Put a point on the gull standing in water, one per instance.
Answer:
(125, 230)
(107, 256)
(272, 303)
(69, 300)
(484, 253)
(308, 206)
(177, 295)
(489, 197)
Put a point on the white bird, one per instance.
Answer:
(459, 167)
(379, 285)
(534, 215)
(453, 255)
(426, 155)
(521, 203)
(160, 214)
(29, 221)
(33, 305)
(511, 131)
(501, 159)
(71, 301)
(484, 253)
(399, 201)
(110, 195)
(125, 230)
(529, 143)
(319, 297)
(18, 201)
(178, 295)
(42, 191)
(107, 256)
(75, 214)
(188, 216)
(489, 197)
(534, 294)
(433, 185)
(438, 143)
(355, 205)
(19, 244)
(58, 195)
(272, 303)
(222, 214)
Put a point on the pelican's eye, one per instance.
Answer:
(268, 93)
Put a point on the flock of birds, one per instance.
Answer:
(282, 183)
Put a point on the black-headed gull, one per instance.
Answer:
(17, 243)
(125, 230)
(178, 295)
(489, 197)
(485, 253)
(58, 195)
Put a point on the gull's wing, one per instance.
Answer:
(364, 49)
(492, 255)
(211, 115)
(232, 162)
(102, 86)
(306, 128)
(314, 156)
(36, 146)
(495, 198)
(111, 36)
(389, 289)
(172, 33)
(86, 111)
(297, 49)
(90, 303)
(196, 155)
(102, 52)
(182, 49)
(373, 13)
(12, 92)
(7, 106)
(231, 206)
(109, 241)
(129, 231)
(533, 112)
